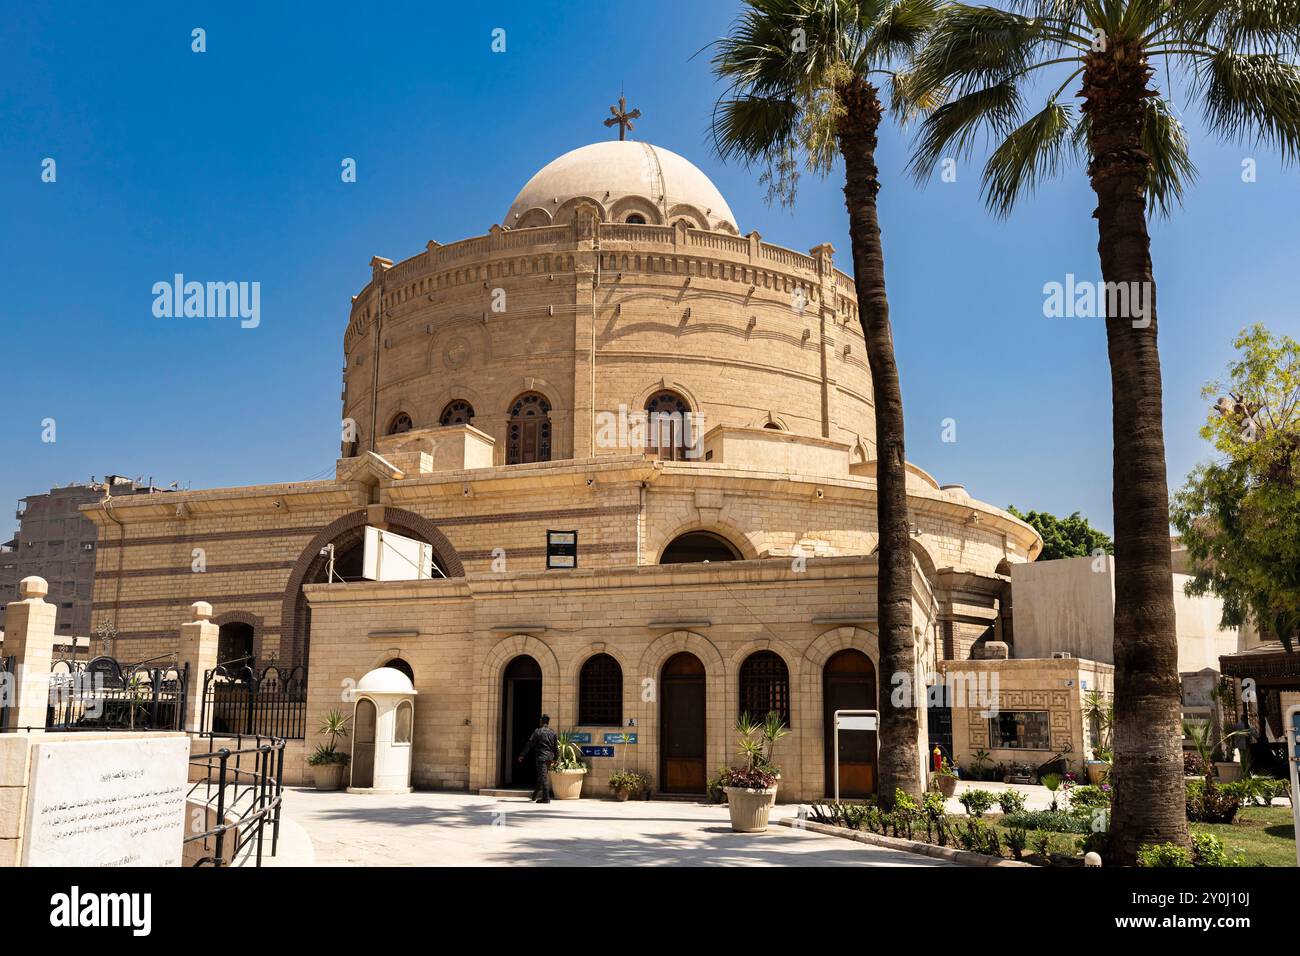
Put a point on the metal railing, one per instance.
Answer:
(101, 694)
(239, 700)
(231, 805)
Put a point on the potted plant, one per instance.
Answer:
(327, 762)
(944, 779)
(1100, 711)
(624, 783)
(751, 789)
(568, 771)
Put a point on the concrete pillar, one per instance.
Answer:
(198, 649)
(29, 637)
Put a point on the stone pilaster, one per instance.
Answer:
(198, 649)
(29, 638)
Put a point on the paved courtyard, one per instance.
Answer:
(456, 829)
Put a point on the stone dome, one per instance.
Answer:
(627, 181)
(385, 680)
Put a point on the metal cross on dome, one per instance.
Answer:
(622, 117)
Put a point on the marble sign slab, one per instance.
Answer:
(107, 802)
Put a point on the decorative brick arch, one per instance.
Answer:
(569, 689)
(255, 621)
(487, 703)
(811, 727)
(723, 529)
(717, 725)
(293, 613)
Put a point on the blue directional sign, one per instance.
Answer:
(598, 751)
(620, 738)
(580, 738)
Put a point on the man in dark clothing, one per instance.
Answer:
(544, 746)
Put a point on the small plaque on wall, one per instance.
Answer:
(561, 549)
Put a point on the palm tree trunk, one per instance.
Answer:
(900, 759)
(1150, 796)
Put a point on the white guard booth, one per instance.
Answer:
(383, 724)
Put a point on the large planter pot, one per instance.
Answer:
(622, 795)
(749, 808)
(1227, 771)
(1098, 771)
(567, 784)
(328, 776)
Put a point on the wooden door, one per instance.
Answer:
(363, 745)
(682, 749)
(849, 683)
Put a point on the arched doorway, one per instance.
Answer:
(528, 434)
(234, 642)
(682, 766)
(521, 710)
(849, 683)
(363, 744)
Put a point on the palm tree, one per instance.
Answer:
(1235, 56)
(800, 84)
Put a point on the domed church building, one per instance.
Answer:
(613, 461)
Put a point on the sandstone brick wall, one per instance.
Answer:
(459, 636)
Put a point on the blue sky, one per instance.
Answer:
(225, 165)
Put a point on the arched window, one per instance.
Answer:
(635, 219)
(765, 686)
(398, 664)
(401, 423)
(457, 413)
(695, 547)
(600, 692)
(669, 430)
(774, 426)
(529, 432)
(402, 726)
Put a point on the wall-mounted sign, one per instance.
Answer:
(598, 751)
(580, 738)
(620, 738)
(561, 549)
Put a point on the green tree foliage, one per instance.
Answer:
(1070, 537)
(1239, 516)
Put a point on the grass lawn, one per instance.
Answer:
(1265, 834)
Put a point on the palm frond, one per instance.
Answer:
(1165, 141)
(899, 29)
(753, 128)
(975, 47)
(955, 125)
(1038, 148)
(1252, 97)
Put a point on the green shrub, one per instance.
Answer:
(1017, 839)
(1041, 842)
(1049, 820)
(1164, 855)
(1212, 804)
(1208, 850)
(977, 802)
(1088, 797)
(1011, 801)
(978, 837)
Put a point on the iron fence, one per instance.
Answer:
(234, 796)
(102, 694)
(237, 699)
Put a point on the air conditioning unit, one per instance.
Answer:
(1061, 655)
